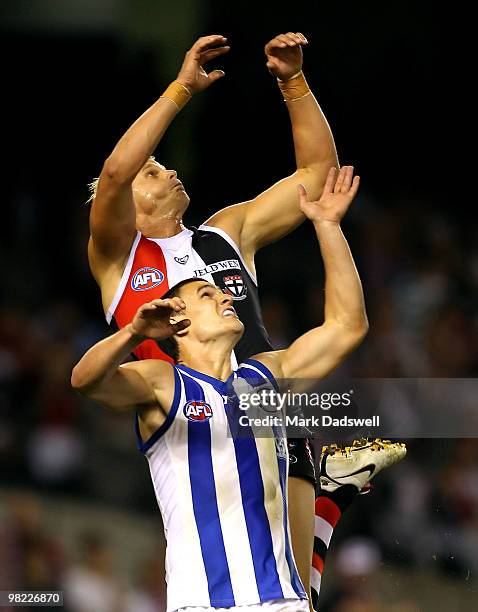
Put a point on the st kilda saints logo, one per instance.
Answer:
(234, 286)
(196, 410)
(146, 278)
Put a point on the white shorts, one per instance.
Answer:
(275, 605)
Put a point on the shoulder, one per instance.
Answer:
(157, 372)
(229, 220)
(102, 264)
(268, 363)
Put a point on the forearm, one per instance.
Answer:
(313, 140)
(103, 359)
(141, 140)
(344, 301)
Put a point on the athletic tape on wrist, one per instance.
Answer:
(177, 93)
(295, 88)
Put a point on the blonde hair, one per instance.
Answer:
(93, 186)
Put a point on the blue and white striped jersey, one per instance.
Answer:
(222, 499)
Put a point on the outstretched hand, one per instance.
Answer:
(339, 191)
(284, 54)
(192, 74)
(153, 319)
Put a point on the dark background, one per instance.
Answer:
(75, 76)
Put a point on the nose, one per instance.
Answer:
(226, 300)
(172, 174)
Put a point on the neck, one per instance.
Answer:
(211, 358)
(159, 226)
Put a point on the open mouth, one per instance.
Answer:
(229, 312)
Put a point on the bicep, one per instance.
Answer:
(276, 212)
(128, 389)
(319, 351)
(269, 216)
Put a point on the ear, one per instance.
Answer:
(176, 319)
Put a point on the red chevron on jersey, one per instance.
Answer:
(208, 253)
(147, 280)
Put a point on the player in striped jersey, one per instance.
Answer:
(136, 194)
(223, 499)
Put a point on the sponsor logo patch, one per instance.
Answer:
(182, 260)
(234, 285)
(217, 266)
(197, 411)
(146, 278)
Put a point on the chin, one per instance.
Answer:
(233, 325)
(239, 326)
(184, 199)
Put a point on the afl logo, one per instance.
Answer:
(146, 278)
(197, 411)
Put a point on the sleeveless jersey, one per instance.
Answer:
(222, 499)
(156, 264)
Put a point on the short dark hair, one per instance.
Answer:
(170, 345)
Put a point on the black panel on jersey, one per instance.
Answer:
(236, 282)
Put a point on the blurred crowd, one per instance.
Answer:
(34, 558)
(420, 275)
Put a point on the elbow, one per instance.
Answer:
(353, 335)
(364, 330)
(358, 334)
(364, 327)
(79, 381)
(113, 170)
(325, 160)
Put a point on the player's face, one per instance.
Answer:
(210, 310)
(155, 188)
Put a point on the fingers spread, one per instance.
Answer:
(330, 182)
(207, 42)
(340, 180)
(355, 186)
(216, 74)
(347, 179)
(210, 54)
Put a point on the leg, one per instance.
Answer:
(329, 507)
(301, 500)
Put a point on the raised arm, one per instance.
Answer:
(112, 219)
(319, 351)
(275, 212)
(139, 385)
